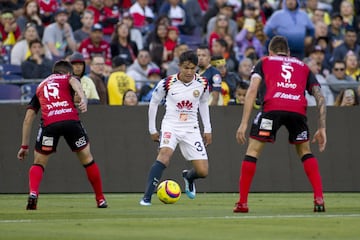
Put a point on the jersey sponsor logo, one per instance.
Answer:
(60, 111)
(302, 136)
(266, 124)
(47, 141)
(167, 135)
(57, 104)
(81, 142)
(196, 93)
(287, 96)
(286, 85)
(184, 104)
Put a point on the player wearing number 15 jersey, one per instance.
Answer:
(185, 94)
(281, 81)
(59, 117)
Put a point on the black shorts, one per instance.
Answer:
(73, 131)
(266, 125)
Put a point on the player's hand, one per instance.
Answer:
(155, 137)
(82, 105)
(22, 153)
(207, 139)
(240, 134)
(320, 137)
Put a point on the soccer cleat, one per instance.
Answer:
(189, 186)
(241, 208)
(319, 205)
(32, 202)
(102, 203)
(145, 202)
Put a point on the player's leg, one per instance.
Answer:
(36, 173)
(155, 173)
(247, 172)
(311, 168)
(93, 174)
(193, 149)
(78, 140)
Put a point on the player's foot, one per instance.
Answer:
(319, 205)
(189, 185)
(241, 208)
(32, 202)
(145, 202)
(102, 203)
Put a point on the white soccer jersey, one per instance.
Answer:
(183, 101)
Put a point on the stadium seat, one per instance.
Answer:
(28, 90)
(10, 92)
(11, 72)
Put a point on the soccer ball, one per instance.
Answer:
(169, 191)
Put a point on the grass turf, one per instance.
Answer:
(209, 216)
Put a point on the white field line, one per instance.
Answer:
(235, 216)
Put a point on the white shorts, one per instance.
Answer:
(191, 143)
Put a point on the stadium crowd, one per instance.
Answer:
(125, 45)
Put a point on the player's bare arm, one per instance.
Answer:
(320, 134)
(26, 132)
(248, 106)
(75, 84)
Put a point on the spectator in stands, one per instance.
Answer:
(212, 12)
(20, 52)
(173, 66)
(175, 10)
(347, 98)
(171, 41)
(79, 67)
(338, 79)
(58, 36)
(97, 67)
(221, 28)
(210, 73)
(95, 45)
(244, 69)
(349, 44)
(37, 66)
(87, 21)
(315, 13)
(105, 16)
(252, 10)
(121, 44)
(135, 34)
(227, 10)
(31, 15)
(348, 14)
(229, 79)
(146, 91)
(240, 93)
(292, 23)
(142, 14)
(140, 68)
(318, 54)
(48, 10)
(9, 29)
(195, 10)
(74, 18)
(352, 66)
(246, 37)
(119, 82)
(315, 68)
(220, 48)
(130, 98)
(336, 30)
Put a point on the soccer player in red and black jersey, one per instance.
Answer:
(281, 82)
(59, 117)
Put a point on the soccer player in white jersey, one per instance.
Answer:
(185, 94)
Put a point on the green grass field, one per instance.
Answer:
(209, 216)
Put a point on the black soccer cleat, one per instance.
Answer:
(32, 203)
(319, 205)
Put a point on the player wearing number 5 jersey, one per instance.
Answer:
(185, 94)
(59, 117)
(281, 82)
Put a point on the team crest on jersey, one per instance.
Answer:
(196, 93)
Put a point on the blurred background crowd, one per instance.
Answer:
(120, 49)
